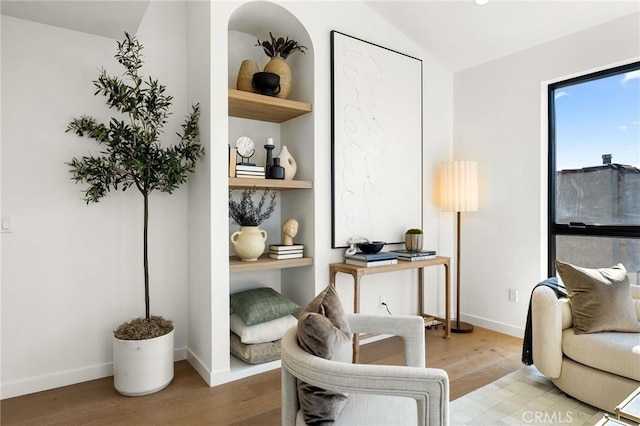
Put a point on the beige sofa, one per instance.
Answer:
(600, 369)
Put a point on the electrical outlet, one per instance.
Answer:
(513, 295)
(382, 302)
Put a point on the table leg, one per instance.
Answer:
(356, 309)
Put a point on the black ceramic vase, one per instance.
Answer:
(276, 171)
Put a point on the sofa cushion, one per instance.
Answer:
(600, 298)
(323, 331)
(617, 353)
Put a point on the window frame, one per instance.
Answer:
(572, 228)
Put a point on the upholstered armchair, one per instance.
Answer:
(377, 394)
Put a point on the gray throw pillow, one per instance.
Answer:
(260, 305)
(600, 298)
(323, 331)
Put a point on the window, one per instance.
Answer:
(594, 170)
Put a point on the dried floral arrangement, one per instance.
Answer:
(280, 47)
(246, 213)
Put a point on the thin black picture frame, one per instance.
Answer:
(376, 141)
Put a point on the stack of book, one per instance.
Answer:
(249, 171)
(377, 259)
(279, 251)
(414, 256)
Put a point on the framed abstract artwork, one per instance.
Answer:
(376, 146)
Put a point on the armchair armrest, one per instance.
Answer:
(547, 326)
(409, 327)
(428, 386)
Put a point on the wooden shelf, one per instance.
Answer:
(278, 184)
(264, 108)
(264, 262)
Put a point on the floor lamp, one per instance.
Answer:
(459, 193)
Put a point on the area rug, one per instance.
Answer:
(524, 397)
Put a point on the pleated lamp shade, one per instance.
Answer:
(459, 186)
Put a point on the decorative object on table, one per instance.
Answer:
(387, 136)
(353, 245)
(266, 83)
(371, 247)
(374, 259)
(269, 146)
(249, 241)
(289, 231)
(132, 156)
(414, 256)
(459, 192)
(276, 171)
(245, 75)
(278, 50)
(413, 239)
(246, 148)
(288, 163)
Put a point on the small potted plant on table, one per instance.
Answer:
(413, 239)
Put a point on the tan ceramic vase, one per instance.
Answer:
(288, 163)
(278, 66)
(249, 242)
(247, 69)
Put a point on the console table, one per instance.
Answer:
(357, 272)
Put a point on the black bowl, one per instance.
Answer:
(266, 83)
(371, 247)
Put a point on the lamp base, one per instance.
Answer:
(460, 327)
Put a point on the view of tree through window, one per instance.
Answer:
(594, 170)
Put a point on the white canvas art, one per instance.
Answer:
(376, 141)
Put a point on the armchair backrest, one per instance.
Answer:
(429, 387)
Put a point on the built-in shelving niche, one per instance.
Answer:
(290, 122)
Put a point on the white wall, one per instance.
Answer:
(356, 19)
(500, 121)
(72, 272)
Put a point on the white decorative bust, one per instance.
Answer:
(289, 230)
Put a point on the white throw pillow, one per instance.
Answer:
(263, 332)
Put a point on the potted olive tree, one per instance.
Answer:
(131, 156)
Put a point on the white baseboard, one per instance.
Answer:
(64, 378)
(494, 325)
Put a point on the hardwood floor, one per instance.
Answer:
(471, 360)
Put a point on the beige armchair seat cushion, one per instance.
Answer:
(360, 411)
(617, 353)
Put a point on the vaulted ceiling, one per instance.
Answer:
(458, 33)
(462, 34)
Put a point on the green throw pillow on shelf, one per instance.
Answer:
(262, 304)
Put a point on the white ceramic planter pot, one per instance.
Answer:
(141, 367)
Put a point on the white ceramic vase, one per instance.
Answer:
(249, 242)
(288, 163)
(142, 367)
